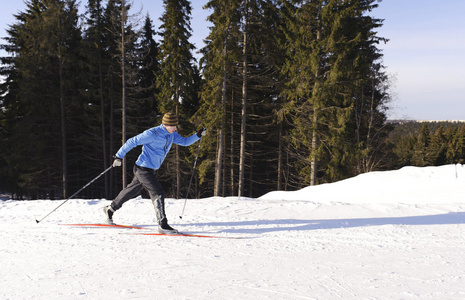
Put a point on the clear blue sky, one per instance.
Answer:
(425, 54)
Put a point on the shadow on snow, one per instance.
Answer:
(304, 225)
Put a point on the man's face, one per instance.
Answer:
(170, 129)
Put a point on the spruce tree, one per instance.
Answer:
(120, 43)
(45, 43)
(456, 150)
(420, 153)
(218, 56)
(437, 149)
(459, 146)
(329, 59)
(177, 68)
(239, 97)
(147, 50)
(10, 112)
(96, 69)
(178, 75)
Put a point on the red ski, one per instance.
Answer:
(104, 225)
(101, 225)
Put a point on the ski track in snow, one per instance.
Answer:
(410, 247)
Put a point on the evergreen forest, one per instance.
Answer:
(293, 93)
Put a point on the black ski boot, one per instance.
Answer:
(108, 211)
(164, 228)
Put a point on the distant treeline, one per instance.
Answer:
(425, 143)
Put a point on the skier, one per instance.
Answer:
(156, 143)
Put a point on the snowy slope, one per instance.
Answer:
(382, 235)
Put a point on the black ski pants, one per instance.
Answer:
(143, 178)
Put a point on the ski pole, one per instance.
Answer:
(89, 183)
(190, 181)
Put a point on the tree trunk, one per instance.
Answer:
(112, 129)
(102, 117)
(314, 161)
(231, 155)
(315, 96)
(123, 96)
(178, 166)
(220, 152)
(63, 130)
(244, 108)
(280, 154)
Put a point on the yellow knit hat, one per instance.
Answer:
(170, 119)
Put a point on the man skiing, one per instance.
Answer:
(156, 143)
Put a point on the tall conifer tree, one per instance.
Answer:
(120, 44)
(148, 64)
(331, 58)
(220, 52)
(178, 76)
(46, 40)
(97, 62)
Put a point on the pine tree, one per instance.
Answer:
(221, 46)
(330, 58)
(45, 41)
(437, 149)
(177, 67)
(239, 99)
(96, 63)
(261, 87)
(420, 154)
(147, 49)
(459, 146)
(178, 77)
(403, 151)
(456, 150)
(123, 74)
(10, 112)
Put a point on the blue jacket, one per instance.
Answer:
(156, 143)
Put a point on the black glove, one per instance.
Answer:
(117, 162)
(202, 132)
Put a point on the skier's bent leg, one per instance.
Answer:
(132, 190)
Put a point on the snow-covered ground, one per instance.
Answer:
(382, 235)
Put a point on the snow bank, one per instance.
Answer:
(407, 185)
